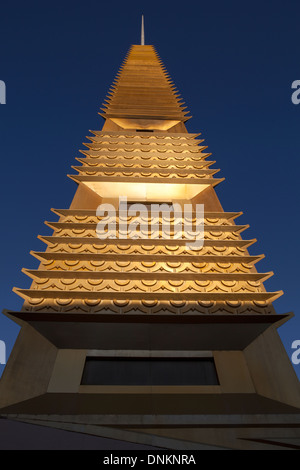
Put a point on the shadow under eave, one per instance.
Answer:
(156, 332)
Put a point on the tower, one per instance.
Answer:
(142, 338)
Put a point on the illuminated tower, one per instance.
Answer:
(143, 339)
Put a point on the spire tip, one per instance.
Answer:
(142, 32)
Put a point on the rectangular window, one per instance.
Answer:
(149, 371)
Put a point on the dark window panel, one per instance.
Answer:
(149, 371)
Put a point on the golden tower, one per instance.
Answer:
(143, 339)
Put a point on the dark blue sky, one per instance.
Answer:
(233, 63)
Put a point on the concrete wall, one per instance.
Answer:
(28, 369)
(271, 370)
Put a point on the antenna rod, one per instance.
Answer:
(142, 32)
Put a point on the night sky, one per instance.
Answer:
(234, 64)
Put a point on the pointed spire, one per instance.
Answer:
(142, 32)
(143, 90)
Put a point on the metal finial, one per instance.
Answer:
(142, 32)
